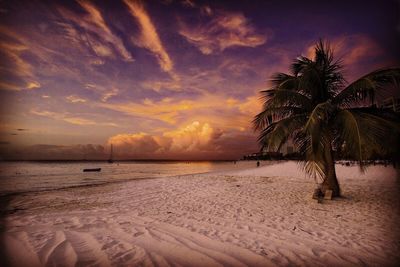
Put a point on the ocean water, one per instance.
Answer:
(23, 177)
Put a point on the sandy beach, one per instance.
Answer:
(254, 217)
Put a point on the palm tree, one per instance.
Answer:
(316, 108)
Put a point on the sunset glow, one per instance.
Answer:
(164, 79)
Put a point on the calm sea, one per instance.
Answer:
(20, 177)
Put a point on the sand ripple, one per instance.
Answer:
(246, 218)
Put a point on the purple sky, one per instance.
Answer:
(164, 79)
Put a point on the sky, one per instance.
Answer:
(165, 79)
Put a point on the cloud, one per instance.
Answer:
(69, 118)
(149, 38)
(17, 73)
(188, 3)
(190, 139)
(193, 141)
(193, 137)
(223, 31)
(222, 110)
(139, 143)
(104, 92)
(75, 99)
(29, 55)
(204, 9)
(160, 85)
(108, 94)
(98, 37)
(14, 49)
(33, 85)
(157, 110)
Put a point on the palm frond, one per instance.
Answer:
(275, 134)
(299, 64)
(367, 87)
(377, 132)
(319, 115)
(278, 104)
(323, 53)
(270, 114)
(349, 133)
(284, 97)
(284, 81)
(363, 132)
(321, 78)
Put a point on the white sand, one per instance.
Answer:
(257, 217)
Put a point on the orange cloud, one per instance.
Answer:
(195, 140)
(224, 31)
(195, 137)
(139, 143)
(33, 85)
(149, 38)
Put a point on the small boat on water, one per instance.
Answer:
(92, 170)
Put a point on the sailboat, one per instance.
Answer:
(110, 160)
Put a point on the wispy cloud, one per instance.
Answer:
(18, 70)
(148, 37)
(99, 37)
(223, 31)
(160, 85)
(69, 118)
(104, 92)
(204, 9)
(166, 111)
(75, 99)
(110, 93)
(29, 55)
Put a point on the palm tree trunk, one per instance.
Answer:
(330, 182)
